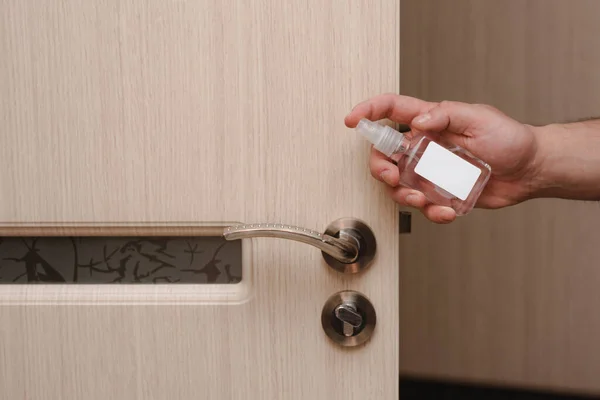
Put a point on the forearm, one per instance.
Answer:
(568, 161)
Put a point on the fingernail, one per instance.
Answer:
(421, 119)
(412, 200)
(447, 215)
(386, 176)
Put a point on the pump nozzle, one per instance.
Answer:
(384, 138)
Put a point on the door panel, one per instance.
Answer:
(510, 296)
(164, 115)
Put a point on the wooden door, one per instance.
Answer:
(507, 297)
(132, 134)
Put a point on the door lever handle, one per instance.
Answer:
(347, 245)
(344, 249)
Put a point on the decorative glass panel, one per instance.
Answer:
(118, 259)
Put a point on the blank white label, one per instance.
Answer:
(447, 170)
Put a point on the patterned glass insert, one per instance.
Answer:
(129, 260)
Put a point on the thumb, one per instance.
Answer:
(450, 116)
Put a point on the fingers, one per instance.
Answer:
(383, 169)
(453, 116)
(415, 199)
(401, 109)
(387, 172)
(408, 197)
(439, 214)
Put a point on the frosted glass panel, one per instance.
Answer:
(119, 259)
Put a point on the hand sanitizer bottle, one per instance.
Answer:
(446, 174)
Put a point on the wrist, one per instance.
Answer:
(569, 165)
(539, 182)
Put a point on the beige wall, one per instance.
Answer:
(509, 297)
(538, 60)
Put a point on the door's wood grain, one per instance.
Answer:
(164, 111)
(509, 296)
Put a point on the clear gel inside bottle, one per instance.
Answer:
(446, 174)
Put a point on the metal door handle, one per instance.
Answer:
(348, 245)
(345, 249)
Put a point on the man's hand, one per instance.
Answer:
(509, 147)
